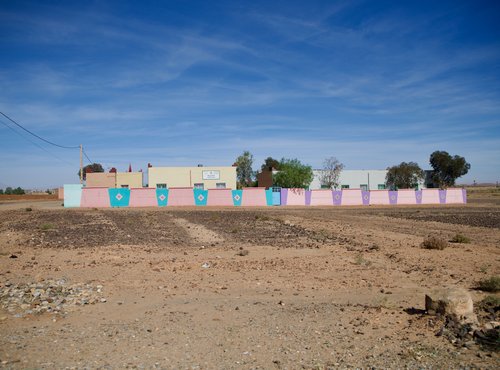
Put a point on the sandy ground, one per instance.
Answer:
(242, 287)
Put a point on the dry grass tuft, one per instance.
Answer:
(459, 238)
(491, 284)
(433, 242)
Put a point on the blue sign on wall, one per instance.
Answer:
(237, 197)
(119, 197)
(200, 197)
(162, 197)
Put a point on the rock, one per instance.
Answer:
(453, 302)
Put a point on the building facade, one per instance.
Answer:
(192, 177)
(114, 180)
(357, 179)
(129, 180)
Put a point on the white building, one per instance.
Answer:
(355, 179)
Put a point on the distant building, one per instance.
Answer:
(354, 179)
(265, 177)
(114, 179)
(359, 179)
(192, 177)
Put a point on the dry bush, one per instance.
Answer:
(459, 238)
(491, 284)
(433, 242)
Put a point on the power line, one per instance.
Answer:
(32, 142)
(86, 156)
(35, 135)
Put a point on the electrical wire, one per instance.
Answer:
(41, 138)
(86, 156)
(34, 143)
(35, 135)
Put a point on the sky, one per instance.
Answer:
(181, 83)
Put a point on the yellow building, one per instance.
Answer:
(100, 179)
(129, 179)
(192, 177)
(114, 180)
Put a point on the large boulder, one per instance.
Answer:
(453, 302)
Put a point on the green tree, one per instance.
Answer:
(269, 163)
(330, 173)
(293, 174)
(1, 191)
(94, 167)
(447, 168)
(8, 190)
(18, 191)
(244, 172)
(404, 176)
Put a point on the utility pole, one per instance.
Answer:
(81, 164)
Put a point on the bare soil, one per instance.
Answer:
(316, 288)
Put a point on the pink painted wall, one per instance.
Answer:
(254, 197)
(95, 197)
(296, 197)
(430, 196)
(220, 197)
(180, 197)
(407, 196)
(454, 196)
(143, 197)
(321, 198)
(379, 197)
(352, 197)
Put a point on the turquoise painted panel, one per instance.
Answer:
(269, 197)
(162, 197)
(200, 197)
(119, 197)
(237, 197)
(277, 198)
(72, 195)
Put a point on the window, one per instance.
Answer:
(220, 185)
(363, 187)
(344, 186)
(199, 186)
(161, 186)
(125, 186)
(381, 186)
(325, 187)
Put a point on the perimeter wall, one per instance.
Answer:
(76, 196)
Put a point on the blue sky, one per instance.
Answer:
(373, 83)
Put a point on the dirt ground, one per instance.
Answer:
(269, 288)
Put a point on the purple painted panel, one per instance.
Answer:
(393, 197)
(308, 197)
(337, 197)
(418, 196)
(464, 195)
(284, 196)
(442, 196)
(365, 195)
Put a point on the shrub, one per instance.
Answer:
(28, 209)
(490, 302)
(491, 284)
(459, 238)
(433, 242)
(45, 227)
